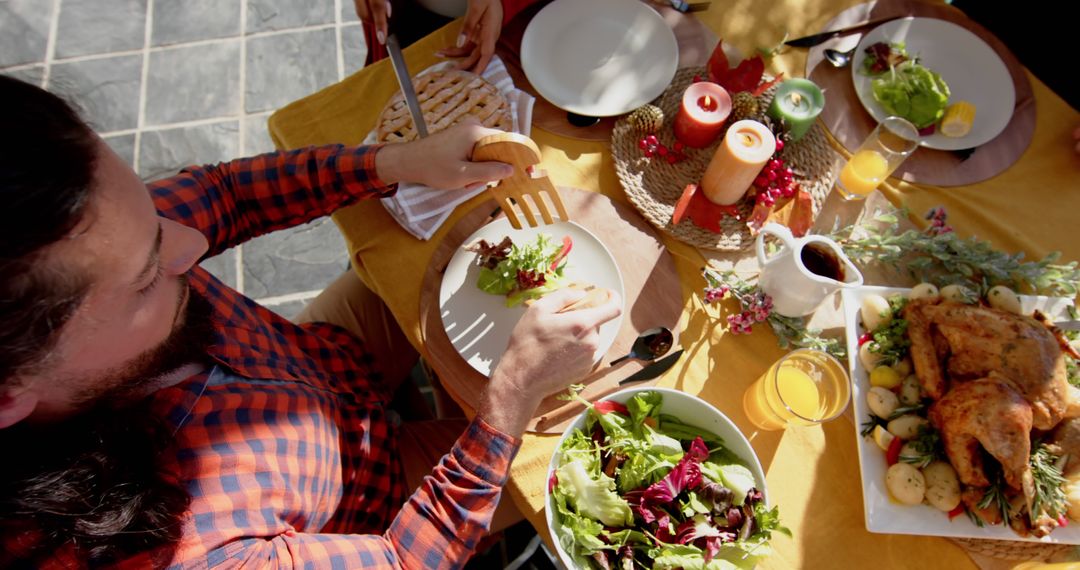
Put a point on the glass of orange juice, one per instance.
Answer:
(805, 387)
(892, 141)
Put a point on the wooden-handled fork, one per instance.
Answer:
(522, 153)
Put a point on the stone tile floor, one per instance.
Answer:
(169, 83)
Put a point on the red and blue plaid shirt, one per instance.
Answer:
(285, 443)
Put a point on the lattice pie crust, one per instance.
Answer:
(446, 97)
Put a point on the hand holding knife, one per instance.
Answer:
(405, 81)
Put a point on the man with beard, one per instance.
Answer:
(151, 416)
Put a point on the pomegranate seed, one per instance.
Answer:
(642, 144)
(651, 139)
(774, 164)
(771, 175)
(761, 182)
(779, 145)
(649, 153)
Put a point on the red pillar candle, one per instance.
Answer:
(705, 107)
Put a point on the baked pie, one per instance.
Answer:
(446, 97)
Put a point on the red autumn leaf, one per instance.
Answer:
(745, 77)
(802, 213)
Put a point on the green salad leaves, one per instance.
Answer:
(903, 86)
(913, 92)
(640, 489)
(521, 272)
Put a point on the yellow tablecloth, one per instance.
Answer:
(812, 473)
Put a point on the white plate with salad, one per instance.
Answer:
(924, 50)
(884, 513)
(667, 457)
(483, 295)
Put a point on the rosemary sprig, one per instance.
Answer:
(1049, 484)
(995, 495)
(942, 257)
(927, 446)
(871, 422)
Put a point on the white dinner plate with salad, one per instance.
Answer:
(599, 58)
(971, 69)
(479, 323)
(884, 514)
(654, 430)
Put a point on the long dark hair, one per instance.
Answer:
(95, 481)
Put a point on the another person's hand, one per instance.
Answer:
(442, 160)
(376, 13)
(479, 33)
(547, 352)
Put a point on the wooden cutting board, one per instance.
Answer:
(652, 297)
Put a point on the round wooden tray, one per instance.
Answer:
(652, 297)
(654, 186)
(849, 122)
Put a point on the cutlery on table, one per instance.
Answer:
(839, 58)
(655, 369)
(815, 39)
(649, 345)
(393, 48)
(522, 153)
(684, 6)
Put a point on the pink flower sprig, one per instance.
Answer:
(938, 225)
(756, 307)
(755, 304)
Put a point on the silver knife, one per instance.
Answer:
(815, 39)
(655, 369)
(405, 81)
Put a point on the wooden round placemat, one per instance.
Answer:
(850, 123)
(654, 186)
(696, 42)
(648, 273)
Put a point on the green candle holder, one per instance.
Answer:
(797, 103)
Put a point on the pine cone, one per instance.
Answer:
(744, 106)
(647, 119)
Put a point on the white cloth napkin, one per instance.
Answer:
(422, 210)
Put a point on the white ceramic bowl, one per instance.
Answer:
(691, 410)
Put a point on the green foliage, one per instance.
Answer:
(946, 258)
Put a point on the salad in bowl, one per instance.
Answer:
(633, 484)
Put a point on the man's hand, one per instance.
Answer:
(442, 160)
(376, 13)
(548, 351)
(479, 33)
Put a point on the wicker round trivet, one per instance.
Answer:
(1012, 549)
(653, 185)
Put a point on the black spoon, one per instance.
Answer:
(649, 345)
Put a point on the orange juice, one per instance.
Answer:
(863, 173)
(806, 387)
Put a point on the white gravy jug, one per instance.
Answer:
(804, 272)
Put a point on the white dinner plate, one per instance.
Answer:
(599, 57)
(479, 324)
(882, 514)
(971, 69)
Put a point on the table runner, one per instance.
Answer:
(812, 473)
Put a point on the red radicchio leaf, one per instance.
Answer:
(712, 547)
(685, 475)
(530, 279)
